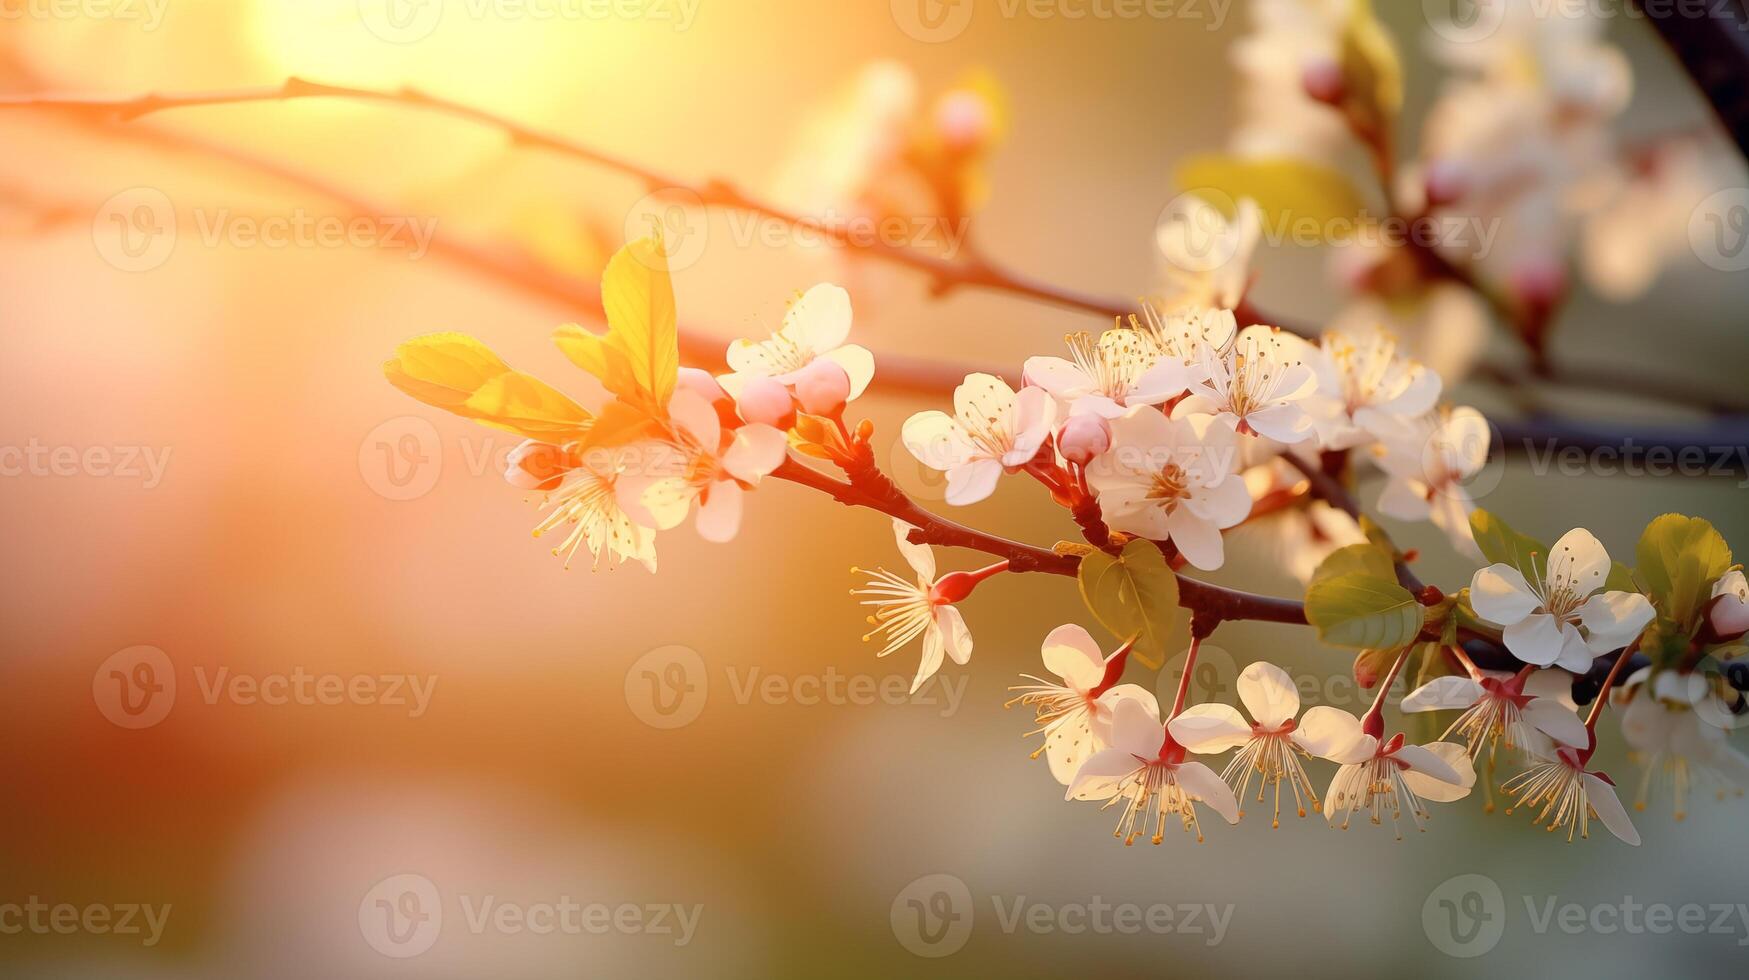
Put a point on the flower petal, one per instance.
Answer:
(920, 557)
(858, 363)
(1135, 729)
(754, 451)
(1098, 777)
(937, 440)
(1580, 558)
(1284, 423)
(1443, 694)
(1198, 540)
(1613, 619)
(820, 320)
(1334, 734)
(1199, 782)
(695, 417)
(1209, 728)
(931, 660)
(1556, 721)
(1269, 694)
(1071, 653)
(984, 399)
(1057, 375)
(1500, 595)
(971, 482)
(1428, 778)
(955, 637)
(719, 516)
(1602, 799)
(1535, 639)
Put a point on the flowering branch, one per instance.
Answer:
(973, 270)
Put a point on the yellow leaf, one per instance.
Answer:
(618, 424)
(529, 407)
(638, 296)
(443, 370)
(1285, 189)
(602, 357)
(1372, 71)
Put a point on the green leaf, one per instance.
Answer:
(1363, 610)
(1680, 558)
(1286, 189)
(1501, 544)
(1133, 595)
(1363, 559)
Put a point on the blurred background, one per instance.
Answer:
(379, 730)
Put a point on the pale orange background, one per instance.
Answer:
(267, 547)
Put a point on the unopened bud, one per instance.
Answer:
(1083, 437)
(700, 382)
(1728, 614)
(1446, 183)
(963, 120)
(767, 402)
(822, 388)
(536, 466)
(1322, 79)
(1539, 281)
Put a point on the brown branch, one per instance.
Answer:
(947, 274)
(1226, 605)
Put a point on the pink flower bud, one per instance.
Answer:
(1084, 437)
(963, 120)
(536, 466)
(767, 402)
(1729, 613)
(1539, 281)
(1446, 183)
(1322, 79)
(822, 388)
(700, 381)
